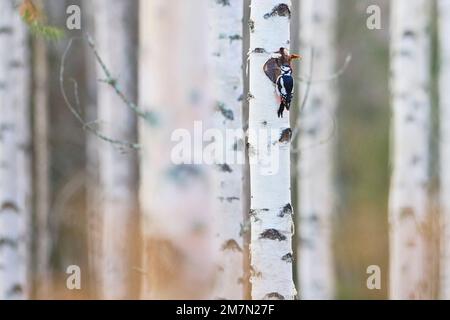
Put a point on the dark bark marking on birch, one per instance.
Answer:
(225, 168)
(182, 173)
(415, 160)
(259, 50)
(254, 273)
(6, 242)
(312, 132)
(235, 37)
(410, 118)
(286, 210)
(251, 25)
(15, 64)
(317, 18)
(306, 243)
(313, 218)
(406, 212)
(288, 258)
(228, 199)
(224, 3)
(250, 96)
(410, 243)
(227, 113)
(6, 30)
(286, 136)
(231, 245)
(281, 10)
(405, 53)
(16, 289)
(272, 234)
(9, 205)
(273, 296)
(409, 34)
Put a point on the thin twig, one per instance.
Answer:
(334, 76)
(305, 98)
(86, 125)
(111, 81)
(309, 81)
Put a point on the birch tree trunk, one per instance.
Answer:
(269, 152)
(226, 66)
(315, 267)
(444, 97)
(116, 29)
(41, 237)
(94, 224)
(175, 196)
(15, 170)
(408, 203)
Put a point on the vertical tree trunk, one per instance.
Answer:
(15, 170)
(94, 224)
(226, 66)
(444, 97)
(116, 29)
(315, 173)
(408, 205)
(41, 237)
(175, 198)
(269, 152)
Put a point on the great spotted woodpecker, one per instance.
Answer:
(285, 88)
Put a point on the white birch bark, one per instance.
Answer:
(116, 29)
(444, 98)
(315, 167)
(15, 170)
(175, 198)
(269, 152)
(225, 27)
(408, 203)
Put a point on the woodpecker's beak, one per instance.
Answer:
(296, 56)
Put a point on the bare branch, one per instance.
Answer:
(309, 81)
(148, 116)
(88, 126)
(334, 76)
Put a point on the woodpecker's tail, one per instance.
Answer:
(280, 110)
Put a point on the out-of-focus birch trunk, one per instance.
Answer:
(444, 97)
(175, 198)
(269, 152)
(41, 237)
(94, 224)
(225, 20)
(15, 146)
(116, 35)
(408, 203)
(315, 167)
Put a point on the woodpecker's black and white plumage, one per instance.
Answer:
(285, 88)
